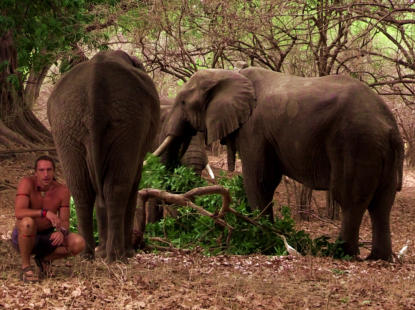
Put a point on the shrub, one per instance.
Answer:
(192, 230)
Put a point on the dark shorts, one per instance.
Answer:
(43, 244)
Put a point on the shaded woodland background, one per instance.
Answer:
(371, 40)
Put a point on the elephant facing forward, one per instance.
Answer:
(195, 157)
(103, 116)
(329, 133)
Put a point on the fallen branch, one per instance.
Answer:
(187, 198)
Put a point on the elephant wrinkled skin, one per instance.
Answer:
(103, 116)
(329, 133)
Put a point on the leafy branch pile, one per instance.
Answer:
(192, 230)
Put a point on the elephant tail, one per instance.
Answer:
(398, 147)
(97, 168)
(97, 150)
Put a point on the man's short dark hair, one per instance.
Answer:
(45, 157)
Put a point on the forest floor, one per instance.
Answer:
(178, 280)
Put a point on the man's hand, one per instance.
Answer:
(53, 218)
(57, 238)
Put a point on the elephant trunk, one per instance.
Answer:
(231, 152)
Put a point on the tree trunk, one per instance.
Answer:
(33, 85)
(18, 124)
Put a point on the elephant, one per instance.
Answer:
(328, 133)
(195, 157)
(103, 115)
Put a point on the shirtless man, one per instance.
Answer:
(42, 226)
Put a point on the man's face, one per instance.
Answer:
(44, 173)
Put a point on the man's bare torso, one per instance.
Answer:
(51, 200)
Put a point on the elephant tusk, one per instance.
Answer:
(209, 170)
(163, 146)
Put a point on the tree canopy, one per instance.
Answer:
(370, 40)
(34, 35)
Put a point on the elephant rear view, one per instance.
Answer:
(103, 116)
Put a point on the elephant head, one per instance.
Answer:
(216, 102)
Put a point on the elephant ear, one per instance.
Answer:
(230, 103)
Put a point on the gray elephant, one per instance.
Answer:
(103, 114)
(329, 133)
(195, 157)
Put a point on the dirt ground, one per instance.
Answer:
(177, 280)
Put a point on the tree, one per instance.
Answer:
(33, 35)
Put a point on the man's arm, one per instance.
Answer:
(22, 202)
(62, 230)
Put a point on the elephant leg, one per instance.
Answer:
(78, 181)
(115, 239)
(261, 177)
(349, 233)
(379, 210)
(154, 210)
(102, 221)
(129, 217)
(353, 184)
(120, 195)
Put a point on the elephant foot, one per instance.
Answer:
(115, 259)
(88, 255)
(137, 241)
(115, 256)
(100, 252)
(378, 255)
(349, 249)
(129, 252)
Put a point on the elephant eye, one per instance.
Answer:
(182, 102)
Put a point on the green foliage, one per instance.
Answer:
(155, 175)
(191, 229)
(42, 30)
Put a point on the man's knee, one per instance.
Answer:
(76, 244)
(26, 226)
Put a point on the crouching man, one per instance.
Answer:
(42, 226)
